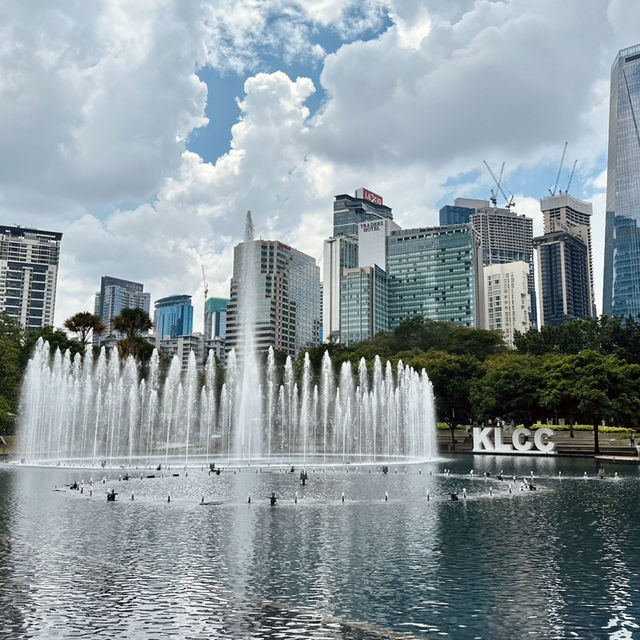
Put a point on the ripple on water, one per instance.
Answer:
(555, 563)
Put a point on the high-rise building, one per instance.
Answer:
(621, 284)
(453, 214)
(507, 298)
(28, 274)
(363, 304)
(173, 316)
(115, 295)
(215, 318)
(505, 236)
(339, 253)
(361, 224)
(563, 212)
(436, 272)
(287, 297)
(563, 270)
(350, 211)
(372, 242)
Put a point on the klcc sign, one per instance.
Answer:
(520, 441)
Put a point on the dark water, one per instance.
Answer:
(560, 562)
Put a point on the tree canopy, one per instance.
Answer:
(132, 324)
(83, 324)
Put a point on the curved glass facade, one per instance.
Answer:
(174, 316)
(621, 290)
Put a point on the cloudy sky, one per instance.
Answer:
(145, 130)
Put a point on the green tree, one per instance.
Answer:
(11, 336)
(56, 338)
(84, 323)
(509, 389)
(606, 388)
(132, 324)
(478, 343)
(558, 393)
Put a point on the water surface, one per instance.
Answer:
(559, 562)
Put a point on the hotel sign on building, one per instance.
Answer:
(372, 242)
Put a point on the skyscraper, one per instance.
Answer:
(507, 299)
(436, 272)
(287, 298)
(621, 284)
(115, 295)
(564, 214)
(350, 211)
(173, 316)
(339, 253)
(361, 224)
(28, 274)
(215, 315)
(563, 269)
(363, 305)
(505, 237)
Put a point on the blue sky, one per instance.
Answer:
(145, 131)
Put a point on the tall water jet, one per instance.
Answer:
(248, 424)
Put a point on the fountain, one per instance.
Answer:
(84, 412)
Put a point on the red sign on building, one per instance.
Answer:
(365, 194)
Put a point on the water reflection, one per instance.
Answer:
(547, 564)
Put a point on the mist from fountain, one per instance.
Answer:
(81, 411)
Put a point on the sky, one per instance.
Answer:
(144, 131)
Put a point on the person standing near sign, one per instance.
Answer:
(632, 438)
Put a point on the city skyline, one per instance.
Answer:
(163, 172)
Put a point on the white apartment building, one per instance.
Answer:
(28, 274)
(507, 301)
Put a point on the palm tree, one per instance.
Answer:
(82, 324)
(131, 324)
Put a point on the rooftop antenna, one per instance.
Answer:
(575, 162)
(555, 186)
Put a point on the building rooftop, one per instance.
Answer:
(566, 200)
(19, 232)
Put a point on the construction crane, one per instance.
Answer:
(555, 186)
(494, 196)
(575, 162)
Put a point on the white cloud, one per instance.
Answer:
(96, 102)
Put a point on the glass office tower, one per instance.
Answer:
(436, 273)
(621, 286)
(363, 304)
(174, 316)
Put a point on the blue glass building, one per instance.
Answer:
(174, 316)
(215, 318)
(363, 304)
(621, 286)
(453, 214)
